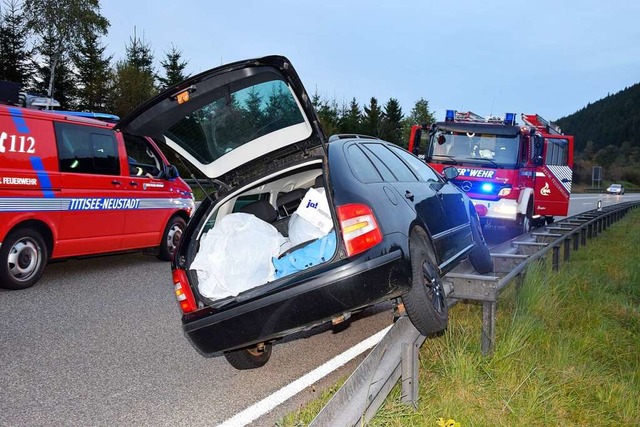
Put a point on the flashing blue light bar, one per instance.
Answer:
(487, 187)
(450, 116)
(510, 119)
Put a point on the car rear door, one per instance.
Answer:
(422, 198)
(454, 204)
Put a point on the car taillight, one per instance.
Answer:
(183, 291)
(360, 229)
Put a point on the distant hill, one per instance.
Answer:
(609, 121)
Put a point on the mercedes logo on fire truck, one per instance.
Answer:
(465, 186)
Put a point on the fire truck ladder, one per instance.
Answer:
(540, 123)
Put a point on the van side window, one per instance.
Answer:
(143, 161)
(85, 149)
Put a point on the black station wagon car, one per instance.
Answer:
(301, 228)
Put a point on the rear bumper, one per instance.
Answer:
(307, 304)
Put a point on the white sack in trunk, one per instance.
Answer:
(236, 255)
(312, 219)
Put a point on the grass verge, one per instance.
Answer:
(567, 350)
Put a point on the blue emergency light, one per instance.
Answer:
(487, 187)
(450, 116)
(510, 119)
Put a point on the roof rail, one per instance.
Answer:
(350, 136)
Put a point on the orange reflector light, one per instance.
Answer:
(183, 291)
(182, 97)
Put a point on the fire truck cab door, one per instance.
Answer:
(553, 179)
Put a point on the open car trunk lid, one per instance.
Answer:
(228, 117)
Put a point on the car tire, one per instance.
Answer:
(479, 257)
(426, 302)
(23, 257)
(170, 238)
(249, 358)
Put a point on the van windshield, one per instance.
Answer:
(234, 119)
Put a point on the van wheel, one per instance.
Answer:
(249, 358)
(480, 257)
(426, 302)
(171, 237)
(23, 257)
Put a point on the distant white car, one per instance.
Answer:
(615, 189)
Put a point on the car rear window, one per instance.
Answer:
(233, 119)
(361, 166)
(397, 167)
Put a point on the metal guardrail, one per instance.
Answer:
(396, 355)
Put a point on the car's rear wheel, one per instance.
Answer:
(23, 257)
(170, 238)
(249, 358)
(480, 257)
(426, 302)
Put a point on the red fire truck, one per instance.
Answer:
(517, 176)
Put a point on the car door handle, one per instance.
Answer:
(408, 195)
(133, 184)
(116, 182)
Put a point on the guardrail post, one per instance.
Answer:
(519, 282)
(567, 248)
(488, 326)
(600, 221)
(576, 241)
(556, 258)
(410, 374)
(590, 231)
(583, 236)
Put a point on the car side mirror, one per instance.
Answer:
(450, 172)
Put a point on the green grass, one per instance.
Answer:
(567, 349)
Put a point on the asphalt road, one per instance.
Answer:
(98, 342)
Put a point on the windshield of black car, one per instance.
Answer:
(465, 147)
(235, 118)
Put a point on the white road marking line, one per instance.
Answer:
(260, 408)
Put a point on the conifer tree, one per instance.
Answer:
(133, 82)
(372, 118)
(14, 53)
(391, 129)
(350, 121)
(173, 66)
(93, 72)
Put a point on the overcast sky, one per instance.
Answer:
(489, 56)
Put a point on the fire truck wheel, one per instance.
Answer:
(23, 257)
(426, 302)
(249, 358)
(480, 257)
(170, 238)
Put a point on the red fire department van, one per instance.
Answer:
(517, 176)
(72, 186)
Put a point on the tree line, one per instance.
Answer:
(607, 134)
(55, 49)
